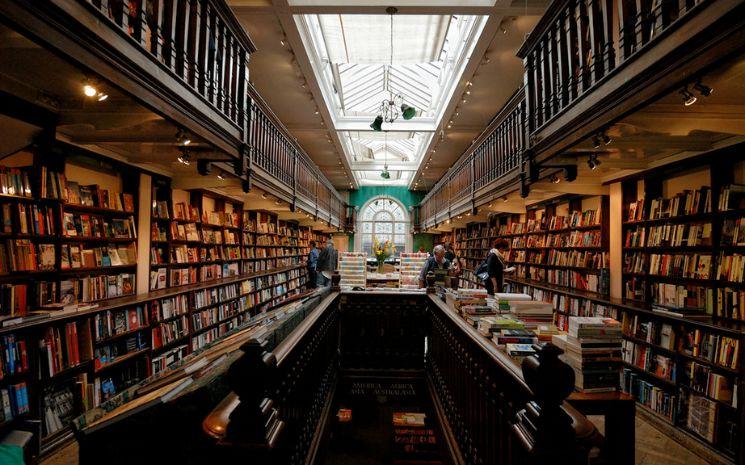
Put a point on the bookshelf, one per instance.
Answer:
(73, 333)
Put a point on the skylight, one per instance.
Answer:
(357, 69)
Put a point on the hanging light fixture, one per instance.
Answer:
(184, 158)
(394, 107)
(385, 174)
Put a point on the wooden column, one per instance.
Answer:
(144, 213)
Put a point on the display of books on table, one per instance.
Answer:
(410, 267)
(353, 269)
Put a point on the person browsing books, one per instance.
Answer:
(491, 271)
(436, 262)
(327, 261)
(312, 263)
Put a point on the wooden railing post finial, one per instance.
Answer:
(255, 420)
(543, 427)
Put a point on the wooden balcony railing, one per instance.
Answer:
(495, 153)
(198, 41)
(187, 60)
(577, 44)
(278, 160)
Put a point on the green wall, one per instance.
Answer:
(408, 198)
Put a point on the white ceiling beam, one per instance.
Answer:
(400, 125)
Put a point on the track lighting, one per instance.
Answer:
(221, 175)
(102, 96)
(703, 89)
(592, 161)
(89, 89)
(555, 179)
(606, 138)
(264, 196)
(182, 138)
(505, 199)
(688, 98)
(447, 221)
(204, 167)
(184, 158)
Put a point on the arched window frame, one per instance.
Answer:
(359, 234)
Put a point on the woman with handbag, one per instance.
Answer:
(491, 271)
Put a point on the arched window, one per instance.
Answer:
(385, 219)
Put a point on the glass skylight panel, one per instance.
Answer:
(351, 56)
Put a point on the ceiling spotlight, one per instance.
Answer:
(503, 29)
(688, 98)
(182, 138)
(184, 158)
(468, 92)
(592, 161)
(102, 96)
(486, 60)
(596, 142)
(555, 179)
(283, 42)
(464, 101)
(221, 175)
(277, 202)
(606, 138)
(504, 199)
(447, 221)
(89, 89)
(703, 89)
(264, 196)
(317, 112)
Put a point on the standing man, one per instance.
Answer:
(327, 261)
(437, 263)
(312, 264)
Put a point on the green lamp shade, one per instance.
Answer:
(377, 125)
(385, 174)
(407, 111)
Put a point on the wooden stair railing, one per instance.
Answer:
(493, 411)
(279, 396)
(498, 412)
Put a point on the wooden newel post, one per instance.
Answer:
(543, 427)
(254, 423)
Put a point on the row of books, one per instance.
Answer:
(109, 353)
(13, 356)
(570, 239)
(688, 202)
(112, 323)
(165, 333)
(733, 232)
(94, 195)
(14, 401)
(93, 288)
(164, 309)
(670, 235)
(577, 258)
(716, 348)
(655, 398)
(21, 255)
(66, 346)
(14, 181)
(652, 331)
(89, 226)
(574, 220)
(23, 218)
(732, 197)
(706, 381)
(646, 358)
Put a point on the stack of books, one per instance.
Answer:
(592, 348)
(533, 313)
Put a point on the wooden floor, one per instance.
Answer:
(653, 447)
